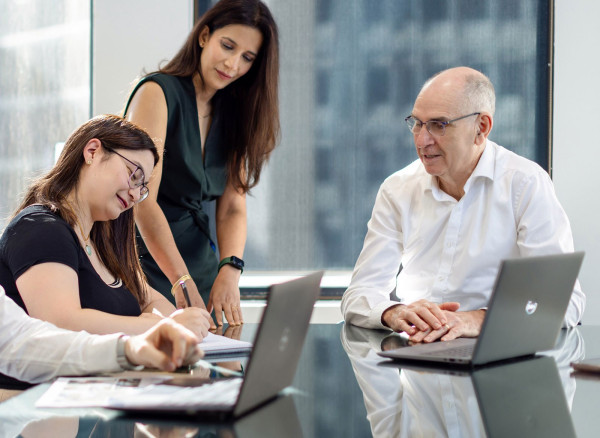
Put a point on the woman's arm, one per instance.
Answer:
(50, 292)
(148, 109)
(231, 237)
(157, 303)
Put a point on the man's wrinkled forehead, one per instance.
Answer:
(438, 101)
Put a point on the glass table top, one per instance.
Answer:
(342, 388)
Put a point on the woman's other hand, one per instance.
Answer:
(225, 297)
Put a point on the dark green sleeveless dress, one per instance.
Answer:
(187, 181)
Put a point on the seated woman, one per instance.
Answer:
(68, 255)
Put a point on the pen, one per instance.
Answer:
(185, 293)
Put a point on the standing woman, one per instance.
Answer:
(213, 113)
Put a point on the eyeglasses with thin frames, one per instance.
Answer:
(434, 127)
(136, 178)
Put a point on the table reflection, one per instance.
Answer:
(524, 398)
(276, 419)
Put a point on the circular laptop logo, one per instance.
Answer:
(530, 307)
(284, 339)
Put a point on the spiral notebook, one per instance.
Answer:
(216, 346)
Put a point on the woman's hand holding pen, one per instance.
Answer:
(195, 300)
(192, 318)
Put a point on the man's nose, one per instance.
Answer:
(423, 138)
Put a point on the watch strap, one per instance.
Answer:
(234, 261)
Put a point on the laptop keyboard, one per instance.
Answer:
(464, 351)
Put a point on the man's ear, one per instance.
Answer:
(484, 128)
(90, 150)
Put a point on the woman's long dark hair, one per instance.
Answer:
(115, 239)
(251, 102)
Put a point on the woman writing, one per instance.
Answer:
(69, 256)
(213, 114)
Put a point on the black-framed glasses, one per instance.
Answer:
(434, 127)
(136, 178)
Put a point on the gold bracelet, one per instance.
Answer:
(182, 279)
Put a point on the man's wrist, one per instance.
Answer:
(386, 313)
(123, 354)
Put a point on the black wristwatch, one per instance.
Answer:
(234, 261)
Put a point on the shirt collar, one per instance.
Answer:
(485, 166)
(484, 169)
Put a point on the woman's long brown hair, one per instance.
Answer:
(115, 239)
(251, 102)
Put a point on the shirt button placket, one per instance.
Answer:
(449, 248)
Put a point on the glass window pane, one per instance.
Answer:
(349, 76)
(44, 86)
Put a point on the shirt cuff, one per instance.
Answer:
(377, 312)
(102, 353)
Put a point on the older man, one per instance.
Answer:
(450, 217)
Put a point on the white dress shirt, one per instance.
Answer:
(33, 351)
(451, 250)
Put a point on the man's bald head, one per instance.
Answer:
(472, 89)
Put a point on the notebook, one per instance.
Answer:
(217, 347)
(524, 316)
(271, 366)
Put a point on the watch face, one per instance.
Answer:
(233, 261)
(238, 263)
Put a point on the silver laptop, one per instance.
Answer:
(271, 366)
(524, 316)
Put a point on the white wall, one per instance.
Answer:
(123, 47)
(576, 142)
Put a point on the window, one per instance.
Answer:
(44, 87)
(345, 92)
(348, 79)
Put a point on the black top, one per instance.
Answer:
(37, 235)
(187, 181)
